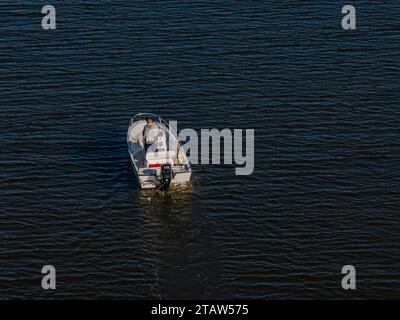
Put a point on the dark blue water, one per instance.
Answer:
(324, 104)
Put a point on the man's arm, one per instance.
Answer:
(144, 133)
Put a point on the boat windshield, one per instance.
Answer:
(143, 116)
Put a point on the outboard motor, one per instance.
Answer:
(166, 176)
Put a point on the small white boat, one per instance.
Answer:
(165, 162)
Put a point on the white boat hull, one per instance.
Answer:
(147, 166)
(150, 181)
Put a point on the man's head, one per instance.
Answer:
(149, 120)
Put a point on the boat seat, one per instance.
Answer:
(161, 157)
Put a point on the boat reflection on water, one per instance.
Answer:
(174, 201)
(169, 228)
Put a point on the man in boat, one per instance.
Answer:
(150, 133)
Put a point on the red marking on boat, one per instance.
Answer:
(155, 165)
